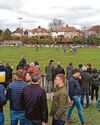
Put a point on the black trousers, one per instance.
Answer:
(94, 90)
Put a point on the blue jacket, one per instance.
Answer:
(69, 70)
(14, 93)
(74, 87)
(2, 97)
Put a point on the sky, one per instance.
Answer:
(34, 13)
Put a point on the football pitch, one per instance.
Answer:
(83, 55)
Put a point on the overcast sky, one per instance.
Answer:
(79, 13)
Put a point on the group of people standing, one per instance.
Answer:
(28, 101)
(81, 81)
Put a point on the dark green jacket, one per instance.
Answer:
(98, 104)
(60, 104)
(50, 72)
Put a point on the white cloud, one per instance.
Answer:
(41, 12)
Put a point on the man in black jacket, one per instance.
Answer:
(59, 69)
(34, 101)
(74, 94)
(85, 82)
(95, 83)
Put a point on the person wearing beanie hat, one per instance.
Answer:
(34, 100)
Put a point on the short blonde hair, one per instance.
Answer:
(62, 77)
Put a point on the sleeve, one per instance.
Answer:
(63, 71)
(8, 93)
(46, 69)
(53, 71)
(62, 105)
(2, 96)
(44, 108)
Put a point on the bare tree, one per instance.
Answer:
(56, 24)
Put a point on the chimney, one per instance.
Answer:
(66, 25)
(39, 27)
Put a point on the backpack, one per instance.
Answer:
(96, 81)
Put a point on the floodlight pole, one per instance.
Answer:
(20, 23)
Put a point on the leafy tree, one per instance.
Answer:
(1, 35)
(1, 32)
(26, 33)
(93, 40)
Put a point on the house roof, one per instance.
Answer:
(95, 28)
(66, 29)
(18, 30)
(40, 30)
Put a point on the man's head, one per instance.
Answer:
(76, 73)
(33, 77)
(19, 75)
(51, 61)
(94, 70)
(84, 68)
(89, 65)
(80, 65)
(59, 80)
(70, 64)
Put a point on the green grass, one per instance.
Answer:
(84, 56)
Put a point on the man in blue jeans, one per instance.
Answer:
(2, 102)
(75, 94)
(14, 93)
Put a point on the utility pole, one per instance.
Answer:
(20, 26)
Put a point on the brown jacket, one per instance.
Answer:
(60, 104)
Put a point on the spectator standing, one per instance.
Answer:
(80, 67)
(36, 64)
(89, 68)
(60, 101)
(34, 101)
(2, 103)
(22, 63)
(69, 70)
(50, 74)
(95, 83)
(9, 70)
(14, 93)
(75, 96)
(85, 82)
(59, 69)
